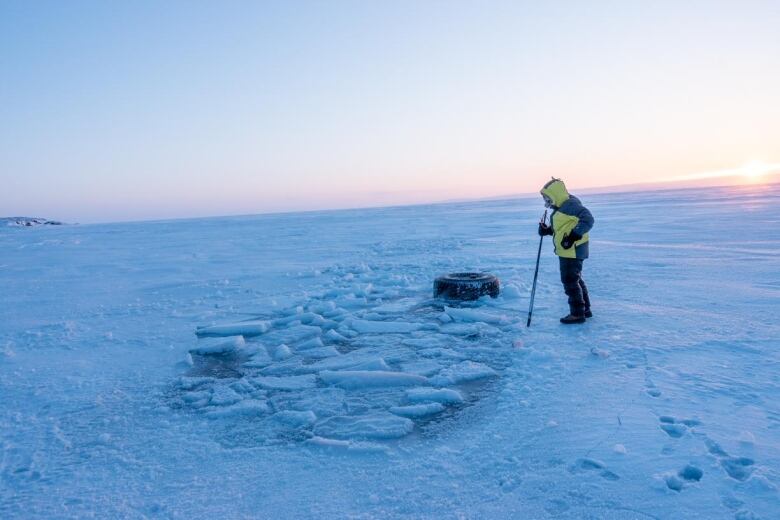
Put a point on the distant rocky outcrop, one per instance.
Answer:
(27, 222)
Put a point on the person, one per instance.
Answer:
(570, 223)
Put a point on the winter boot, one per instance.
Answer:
(588, 314)
(572, 319)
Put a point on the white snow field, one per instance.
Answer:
(296, 366)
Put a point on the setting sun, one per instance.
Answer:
(751, 172)
(755, 169)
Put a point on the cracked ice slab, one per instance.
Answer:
(218, 346)
(244, 328)
(385, 327)
(463, 372)
(414, 411)
(286, 383)
(246, 407)
(473, 315)
(354, 379)
(354, 360)
(439, 395)
(381, 425)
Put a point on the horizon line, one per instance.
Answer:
(680, 184)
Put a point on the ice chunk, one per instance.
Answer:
(243, 408)
(224, 395)
(303, 317)
(242, 386)
(259, 359)
(324, 402)
(320, 353)
(244, 328)
(328, 325)
(362, 291)
(336, 314)
(292, 334)
(374, 364)
(385, 327)
(286, 383)
(328, 443)
(510, 292)
(417, 410)
(379, 425)
(332, 335)
(312, 343)
(185, 363)
(351, 302)
(300, 332)
(352, 379)
(322, 307)
(189, 383)
(218, 346)
(444, 353)
(281, 352)
(439, 395)
(196, 399)
(295, 418)
(348, 446)
(473, 315)
(347, 332)
(291, 366)
(462, 372)
(355, 359)
(468, 329)
(422, 367)
(398, 307)
(315, 320)
(444, 317)
(428, 342)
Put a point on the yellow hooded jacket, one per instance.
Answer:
(568, 215)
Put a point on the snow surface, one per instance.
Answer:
(295, 366)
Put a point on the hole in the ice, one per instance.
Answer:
(474, 393)
(222, 366)
(250, 410)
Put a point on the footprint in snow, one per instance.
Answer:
(650, 388)
(738, 468)
(588, 464)
(687, 475)
(676, 428)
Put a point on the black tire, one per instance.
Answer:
(465, 286)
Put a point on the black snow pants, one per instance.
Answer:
(574, 285)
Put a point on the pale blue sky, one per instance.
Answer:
(142, 110)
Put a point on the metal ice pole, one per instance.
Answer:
(536, 273)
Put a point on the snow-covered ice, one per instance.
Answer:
(295, 366)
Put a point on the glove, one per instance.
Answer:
(569, 240)
(544, 229)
